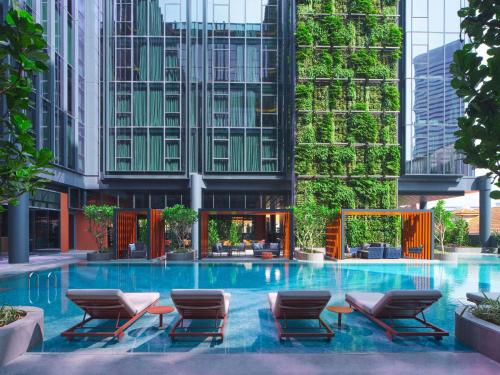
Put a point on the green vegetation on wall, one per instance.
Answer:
(347, 101)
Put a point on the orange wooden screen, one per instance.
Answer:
(286, 234)
(334, 238)
(417, 231)
(156, 234)
(126, 228)
(286, 218)
(203, 217)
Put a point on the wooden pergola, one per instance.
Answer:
(285, 214)
(125, 225)
(417, 231)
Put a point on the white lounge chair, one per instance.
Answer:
(108, 304)
(200, 304)
(299, 305)
(398, 304)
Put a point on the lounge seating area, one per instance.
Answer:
(374, 251)
(246, 248)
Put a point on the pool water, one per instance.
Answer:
(250, 327)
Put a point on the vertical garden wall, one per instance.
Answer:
(347, 102)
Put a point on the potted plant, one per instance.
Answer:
(21, 328)
(479, 327)
(179, 221)
(100, 218)
(310, 223)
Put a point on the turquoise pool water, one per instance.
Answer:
(250, 327)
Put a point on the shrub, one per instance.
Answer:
(9, 315)
(361, 6)
(179, 220)
(488, 310)
(390, 97)
(303, 34)
(460, 232)
(304, 96)
(364, 127)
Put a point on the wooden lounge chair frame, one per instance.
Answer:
(199, 309)
(403, 309)
(103, 309)
(311, 311)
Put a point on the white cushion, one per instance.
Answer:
(199, 294)
(364, 299)
(276, 299)
(139, 301)
(131, 302)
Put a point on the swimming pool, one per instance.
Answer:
(250, 327)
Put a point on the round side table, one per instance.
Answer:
(160, 310)
(340, 310)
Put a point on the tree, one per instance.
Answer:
(234, 234)
(21, 56)
(310, 223)
(178, 220)
(100, 219)
(477, 81)
(213, 233)
(442, 223)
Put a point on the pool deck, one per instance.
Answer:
(39, 263)
(252, 363)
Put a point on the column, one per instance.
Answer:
(196, 183)
(423, 203)
(19, 237)
(484, 211)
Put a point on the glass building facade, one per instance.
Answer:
(432, 109)
(193, 86)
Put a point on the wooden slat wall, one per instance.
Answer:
(286, 234)
(417, 231)
(203, 217)
(126, 229)
(334, 238)
(157, 234)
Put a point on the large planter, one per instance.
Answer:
(99, 257)
(463, 249)
(22, 335)
(180, 257)
(479, 334)
(314, 256)
(446, 256)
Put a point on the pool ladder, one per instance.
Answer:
(34, 278)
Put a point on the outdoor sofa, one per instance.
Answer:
(273, 248)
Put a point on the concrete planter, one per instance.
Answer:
(315, 256)
(20, 336)
(463, 249)
(99, 257)
(479, 334)
(180, 257)
(447, 257)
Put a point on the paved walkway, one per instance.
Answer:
(37, 263)
(428, 363)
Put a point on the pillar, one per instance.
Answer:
(64, 223)
(196, 183)
(18, 223)
(485, 210)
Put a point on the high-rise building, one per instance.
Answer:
(151, 103)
